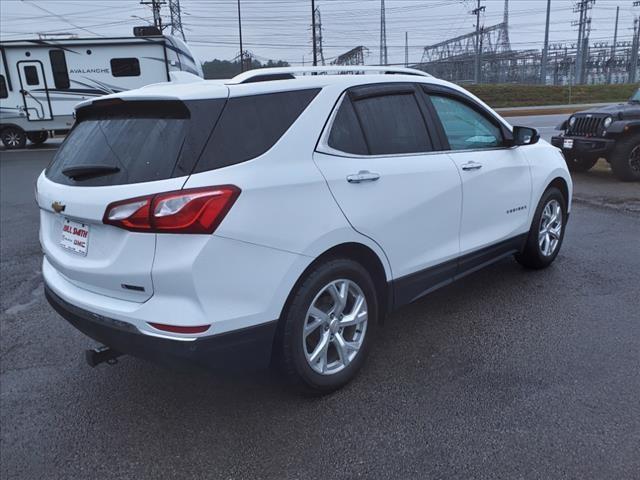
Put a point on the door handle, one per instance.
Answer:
(467, 167)
(363, 176)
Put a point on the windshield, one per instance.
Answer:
(636, 96)
(134, 143)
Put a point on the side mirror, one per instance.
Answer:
(525, 136)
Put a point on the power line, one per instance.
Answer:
(60, 17)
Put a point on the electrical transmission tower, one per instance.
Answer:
(355, 56)
(503, 34)
(155, 7)
(384, 59)
(459, 57)
(176, 18)
(317, 36)
(582, 7)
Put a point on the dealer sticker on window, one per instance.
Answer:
(568, 143)
(75, 236)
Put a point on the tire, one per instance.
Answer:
(298, 353)
(13, 138)
(38, 137)
(540, 250)
(581, 164)
(625, 159)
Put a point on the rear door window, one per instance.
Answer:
(393, 124)
(251, 125)
(144, 141)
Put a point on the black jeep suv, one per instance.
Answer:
(611, 132)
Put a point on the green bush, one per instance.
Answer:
(508, 95)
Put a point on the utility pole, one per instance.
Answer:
(313, 32)
(476, 11)
(240, 38)
(613, 47)
(176, 18)
(545, 52)
(406, 49)
(318, 36)
(635, 45)
(384, 60)
(155, 7)
(584, 27)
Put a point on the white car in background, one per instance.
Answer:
(277, 217)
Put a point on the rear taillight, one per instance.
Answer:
(179, 329)
(195, 210)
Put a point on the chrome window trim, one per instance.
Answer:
(323, 144)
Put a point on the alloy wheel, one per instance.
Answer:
(335, 326)
(550, 229)
(11, 138)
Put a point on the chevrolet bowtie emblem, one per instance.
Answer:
(58, 207)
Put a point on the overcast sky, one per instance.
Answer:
(280, 29)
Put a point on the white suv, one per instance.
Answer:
(275, 218)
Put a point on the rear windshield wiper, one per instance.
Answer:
(80, 172)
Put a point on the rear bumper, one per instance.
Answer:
(584, 147)
(244, 349)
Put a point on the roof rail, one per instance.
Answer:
(281, 73)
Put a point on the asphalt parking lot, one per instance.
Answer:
(506, 374)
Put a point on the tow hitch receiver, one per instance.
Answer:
(100, 355)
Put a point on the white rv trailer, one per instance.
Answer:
(41, 80)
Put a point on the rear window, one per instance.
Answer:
(251, 125)
(145, 141)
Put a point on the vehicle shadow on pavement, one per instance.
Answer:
(413, 347)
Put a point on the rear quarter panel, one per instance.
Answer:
(285, 217)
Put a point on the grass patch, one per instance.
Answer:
(508, 95)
